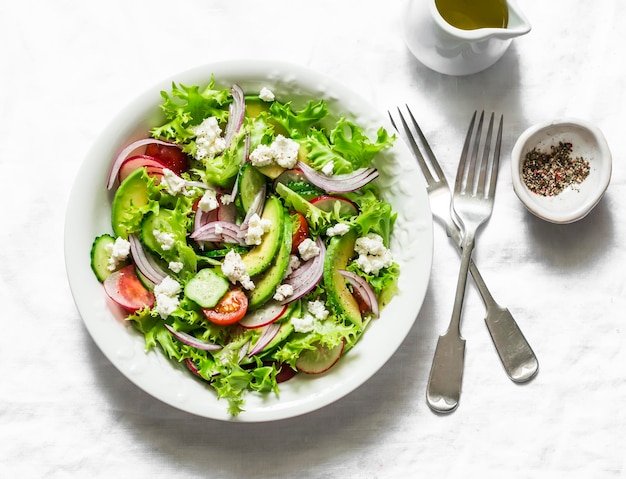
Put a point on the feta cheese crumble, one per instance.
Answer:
(294, 264)
(282, 151)
(285, 151)
(328, 168)
(339, 229)
(373, 255)
(176, 266)
(166, 240)
(312, 319)
(118, 251)
(308, 249)
(266, 94)
(209, 143)
(283, 292)
(261, 156)
(318, 309)
(208, 202)
(166, 295)
(173, 183)
(257, 227)
(304, 324)
(235, 270)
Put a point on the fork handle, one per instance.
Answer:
(516, 355)
(446, 373)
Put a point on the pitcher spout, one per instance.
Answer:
(518, 23)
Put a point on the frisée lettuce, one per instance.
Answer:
(280, 241)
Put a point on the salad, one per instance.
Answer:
(249, 240)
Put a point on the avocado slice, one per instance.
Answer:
(259, 258)
(340, 299)
(266, 284)
(131, 194)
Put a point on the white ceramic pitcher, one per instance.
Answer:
(453, 51)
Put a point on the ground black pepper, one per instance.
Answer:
(549, 173)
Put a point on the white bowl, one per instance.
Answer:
(573, 203)
(88, 215)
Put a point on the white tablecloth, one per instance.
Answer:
(69, 66)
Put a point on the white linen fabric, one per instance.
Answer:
(69, 66)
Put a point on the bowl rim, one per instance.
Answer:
(531, 201)
(153, 372)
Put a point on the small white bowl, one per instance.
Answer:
(573, 203)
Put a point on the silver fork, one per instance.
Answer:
(472, 203)
(518, 358)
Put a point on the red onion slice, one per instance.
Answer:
(306, 277)
(122, 155)
(236, 112)
(269, 332)
(219, 232)
(202, 218)
(244, 157)
(192, 340)
(144, 261)
(364, 290)
(339, 183)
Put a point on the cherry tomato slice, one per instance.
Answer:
(171, 156)
(230, 309)
(125, 288)
(300, 231)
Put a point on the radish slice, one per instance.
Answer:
(269, 332)
(290, 176)
(339, 183)
(144, 261)
(328, 203)
(270, 312)
(153, 166)
(125, 289)
(364, 290)
(192, 340)
(121, 157)
(192, 367)
(319, 360)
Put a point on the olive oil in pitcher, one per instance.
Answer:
(474, 14)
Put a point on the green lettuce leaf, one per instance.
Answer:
(347, 146)
(187, 106)
(298, 123)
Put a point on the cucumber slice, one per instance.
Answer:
(206, 288)
(250, 183)
(100, 256)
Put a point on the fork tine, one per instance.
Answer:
(413, 144)
(484, 162)
(496, 160)
(461, 171)
(429, 152)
